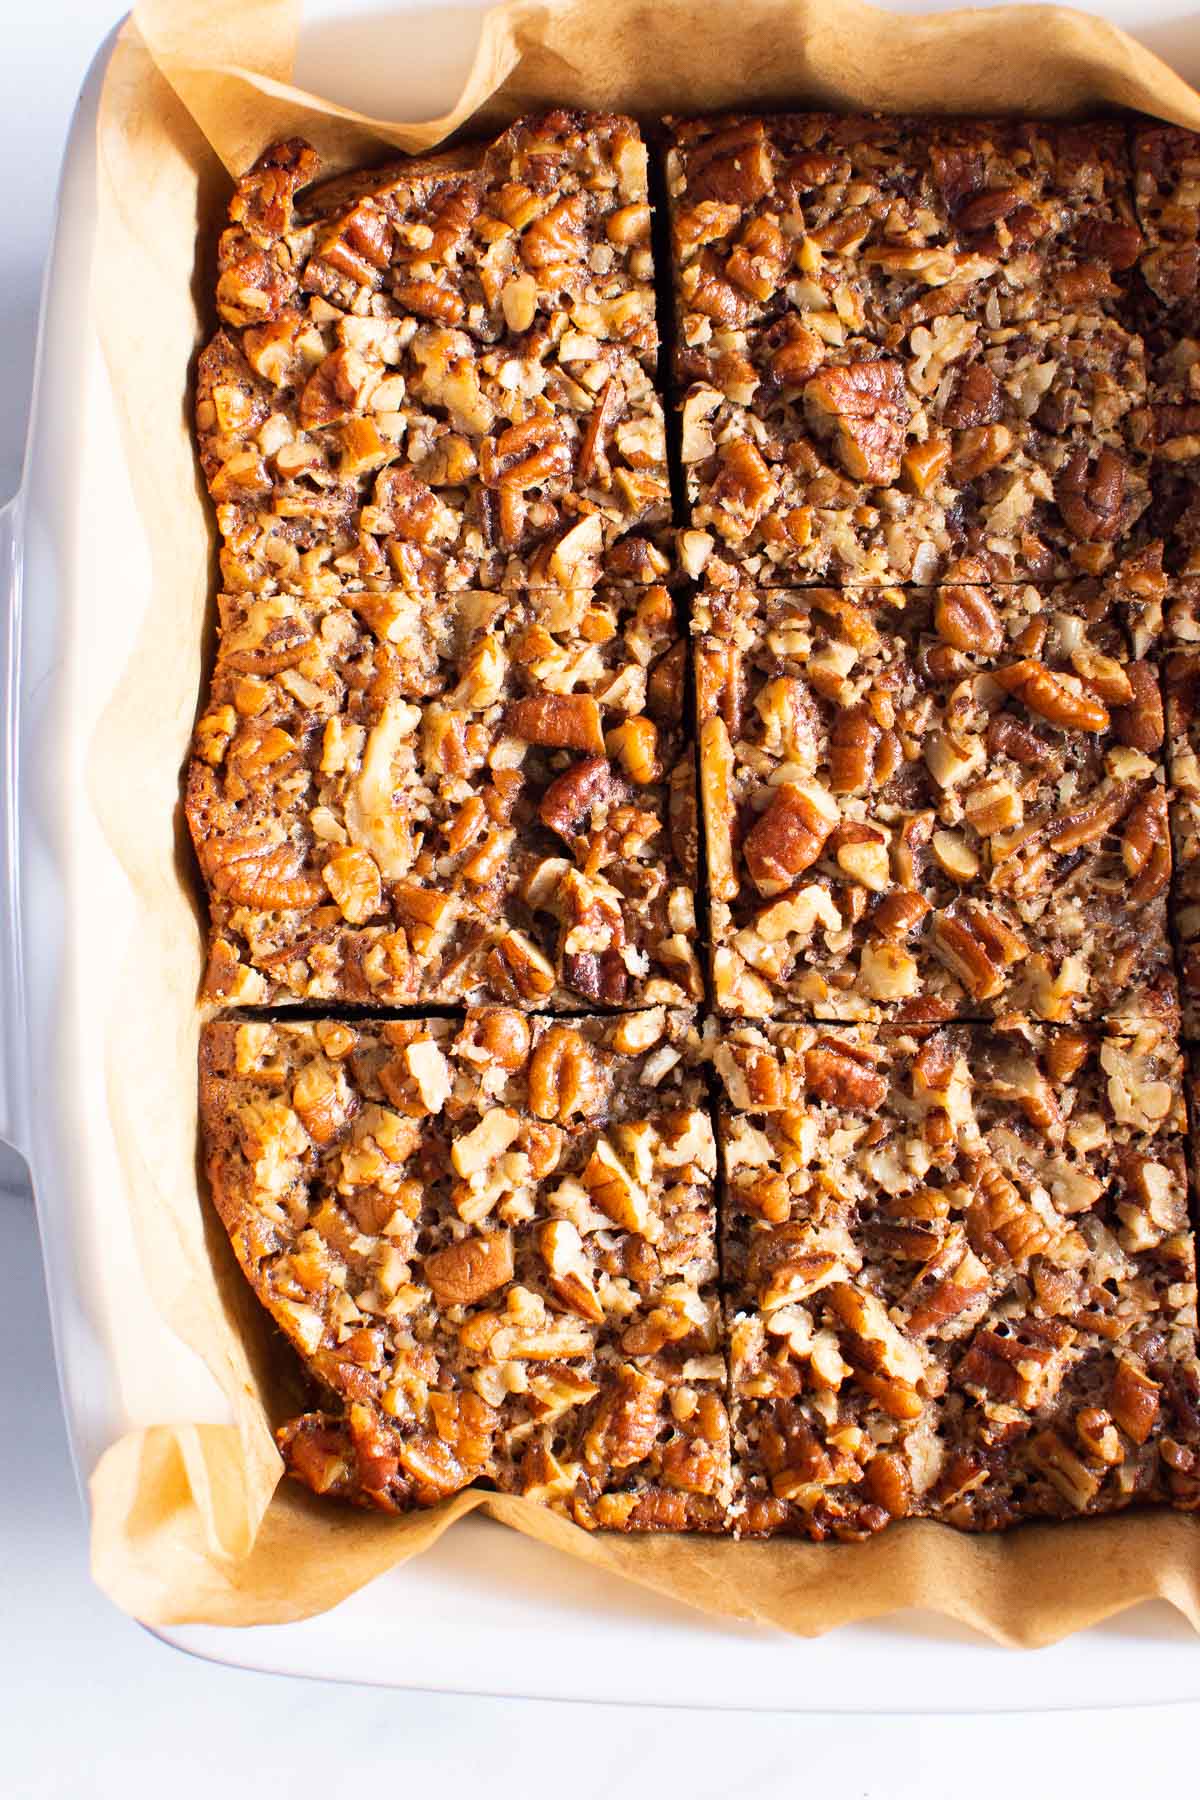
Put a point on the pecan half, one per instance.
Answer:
(1109, 241)
(560, 235)
(1133, 1401)
(841, 1079)
(1140, 723)
(966, 618)
(1060, 699)
(562, 1076)
(733, 167)
(1091, 497)
(717, 806)
(897, 915)
(1146, 846)
(852, 747)
(977, 947)
(864, 408)
(464, 1272)
(252, 873)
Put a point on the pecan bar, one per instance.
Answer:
(899, 343)
(813, 456)
(1166, 310)
(398, 801)
(960, 1275)
(1182, 683)
(492, 1242)
(441, 373)
(878, 225)
(934, 803)
(1166, 173)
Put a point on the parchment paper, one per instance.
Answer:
(189, 1523)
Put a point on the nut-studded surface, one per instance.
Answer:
(899, 342)
(492, 1241)
(440, 374)
(1167, 312)
(887, 223)
(961, 1281)
(1182, 683)
(446, 759)
(928, 803)
(812, 460)
(396, 801)
(1166, 171)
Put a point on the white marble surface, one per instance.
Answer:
(90, 1705)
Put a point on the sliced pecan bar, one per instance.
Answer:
(397, 801)
(1182, 682)
(811, 458)
(960, 1276)
(1166, 310)
(1166, 173)
(898, 342)
(492, 1242)
(878, 225)
(443, 372)
(1166, 431)
(934, 803)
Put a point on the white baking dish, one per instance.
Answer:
(486, 1611)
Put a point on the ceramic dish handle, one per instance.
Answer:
(13, 1044)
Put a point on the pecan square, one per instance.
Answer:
(397, 801)
(440, 373)
(960, 1277)
(492, 1242)
(935, 803)
(1026, 448)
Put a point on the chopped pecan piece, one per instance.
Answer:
(788, 838)
(976, 399)
(572, 795)
(557, 721)
(744, 486)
